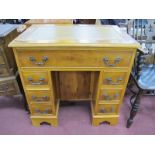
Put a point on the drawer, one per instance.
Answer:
(105, 109)
(110, 95)
(35, 78)
(105, 58)
(4, 71)
(114, 78)
(39, 95)
(41, 110)
(8, 88)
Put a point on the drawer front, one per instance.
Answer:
(35, 78)
(3, 71)
(107, 95)
(107, 109)
(8, 89)
(114, 78)
(41, 110)
(39, 95)
(75, 58)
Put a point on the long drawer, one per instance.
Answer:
(105, 58)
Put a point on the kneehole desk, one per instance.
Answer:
(74, 62)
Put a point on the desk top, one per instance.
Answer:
(49, 21)
(5, 29)
(74, 35)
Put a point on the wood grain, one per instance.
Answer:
(75, 68)
(74, 85)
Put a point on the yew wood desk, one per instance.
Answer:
(74, 62)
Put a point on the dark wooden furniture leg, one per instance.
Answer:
(134, 109)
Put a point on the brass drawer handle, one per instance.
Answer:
(47, 111)
(41, 63)
(42, 98)
(102, 110)
(116, 61)
(41, 81)
(107, 97)
(109, 80)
